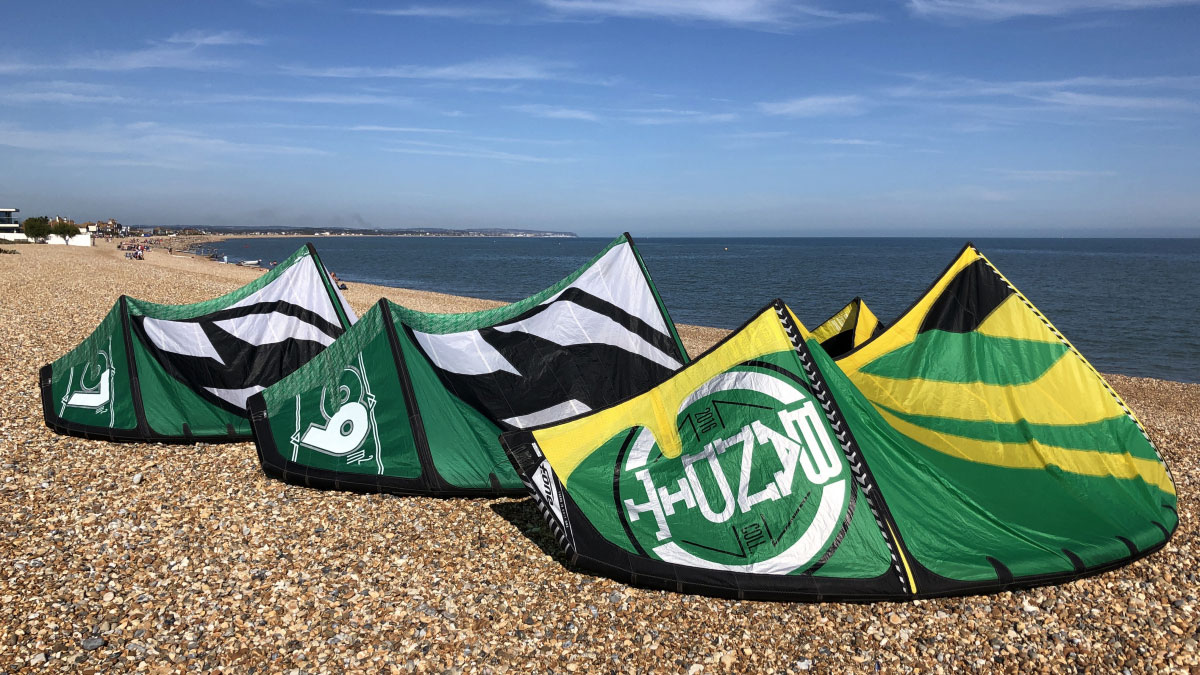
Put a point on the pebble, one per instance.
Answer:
(211, 566)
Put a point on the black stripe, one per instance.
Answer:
(1076, 562)
(617, 490)
(429, 474)
(660, 341)
(135, 386)
(973, 294)
(331, 329)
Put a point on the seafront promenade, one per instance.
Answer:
(166, 558)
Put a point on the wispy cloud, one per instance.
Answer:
(63, 93)
(484, 69)
(999, 10)
(192, 50)
(200, 38)
(1050, 175)
(661, 116)
(468, 151)
(1007, 102)
(849, 141)
(437, 12)
(554, 112)
(303, 99)
(816, 106)
(757, 14)
(143, 144)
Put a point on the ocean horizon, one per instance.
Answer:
(1128, 304)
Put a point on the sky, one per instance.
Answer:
(659, 117)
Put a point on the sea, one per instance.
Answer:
(1131, 306)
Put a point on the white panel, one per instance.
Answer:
(826, 520)
(617, 277)
(180, 337)
(566, 323)
(554, 413)
(464, 353)
(300, 285)
(235, 396)
(262, 329)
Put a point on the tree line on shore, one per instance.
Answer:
(39, 227)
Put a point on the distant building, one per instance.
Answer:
(10, 225)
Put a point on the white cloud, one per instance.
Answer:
(312, 99)
(1075, 99)
(1050, 175)
(200, 38)
(816, 106)
(471, 152)
(660, 116)
(143, 144)
(485, 69)
(63, 93)
(999, 10)
(555, 112)
(435, 12)
(849, 141)
(762, 14)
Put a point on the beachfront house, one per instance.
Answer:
(10, 225)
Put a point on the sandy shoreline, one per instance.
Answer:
(141, 556)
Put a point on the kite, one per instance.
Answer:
(182, 373)
(968, 448)
(414, 403)
(851, 326)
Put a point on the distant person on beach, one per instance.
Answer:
(337, 282)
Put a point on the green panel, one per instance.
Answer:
(168, 403)
(464, 445)
(176, 312)
(1116, 435)
(762, 485)
(345, 409)
(953, 513)
(969, 357)
(91, 382)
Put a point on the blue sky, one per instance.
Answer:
(661, 117)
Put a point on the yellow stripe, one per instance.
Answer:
(905, 329)
(1036, 455)
(834, 324)
(567, 445)
(865, 324)
(912, 583)
(1103, 382)
(1012, 319)
(1066, 393)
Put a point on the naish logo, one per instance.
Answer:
(767, 492)
(346, 428)
(97, 396)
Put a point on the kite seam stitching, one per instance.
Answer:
(843, 436)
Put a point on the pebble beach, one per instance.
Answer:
(154, 558)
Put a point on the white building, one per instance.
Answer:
(10, 226)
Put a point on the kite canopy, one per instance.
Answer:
(182, 373)
(851, 326)
(413, 403)
(968, 448)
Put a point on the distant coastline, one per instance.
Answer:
(229, 232)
